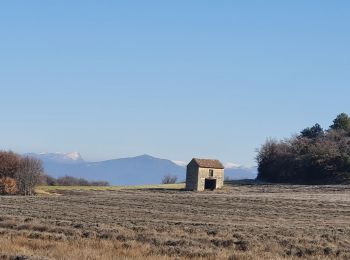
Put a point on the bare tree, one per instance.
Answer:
(28, 175)
(9, 164)
(47, 180)
(169, 179)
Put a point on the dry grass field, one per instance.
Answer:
(238, 222)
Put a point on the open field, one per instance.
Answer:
(238, 222)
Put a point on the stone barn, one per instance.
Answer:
(204, 174)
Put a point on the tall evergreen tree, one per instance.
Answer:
(342, 122)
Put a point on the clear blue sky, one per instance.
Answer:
(174, 79)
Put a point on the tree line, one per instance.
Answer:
(314, 156)
(70, 181)
(19, 175)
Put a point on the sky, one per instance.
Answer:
(174, 79)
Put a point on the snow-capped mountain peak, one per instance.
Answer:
(59, 157)
(231, 165)
(75, 156)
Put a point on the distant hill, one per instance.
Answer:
(139, 170)
(241, 173)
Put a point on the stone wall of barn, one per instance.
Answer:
(192, 177)
(203, 173)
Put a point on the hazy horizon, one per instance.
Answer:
(79, 156)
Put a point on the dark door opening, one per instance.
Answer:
(210, 184)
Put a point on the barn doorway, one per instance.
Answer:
(210, 184)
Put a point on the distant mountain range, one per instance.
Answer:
(139, 170)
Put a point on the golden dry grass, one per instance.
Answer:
(238, 222)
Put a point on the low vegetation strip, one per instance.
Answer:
(238, 222)
(48, 189)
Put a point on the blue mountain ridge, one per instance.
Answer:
(139, 170)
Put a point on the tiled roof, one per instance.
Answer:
(208, 163)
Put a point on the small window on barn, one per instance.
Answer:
(211, 173)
